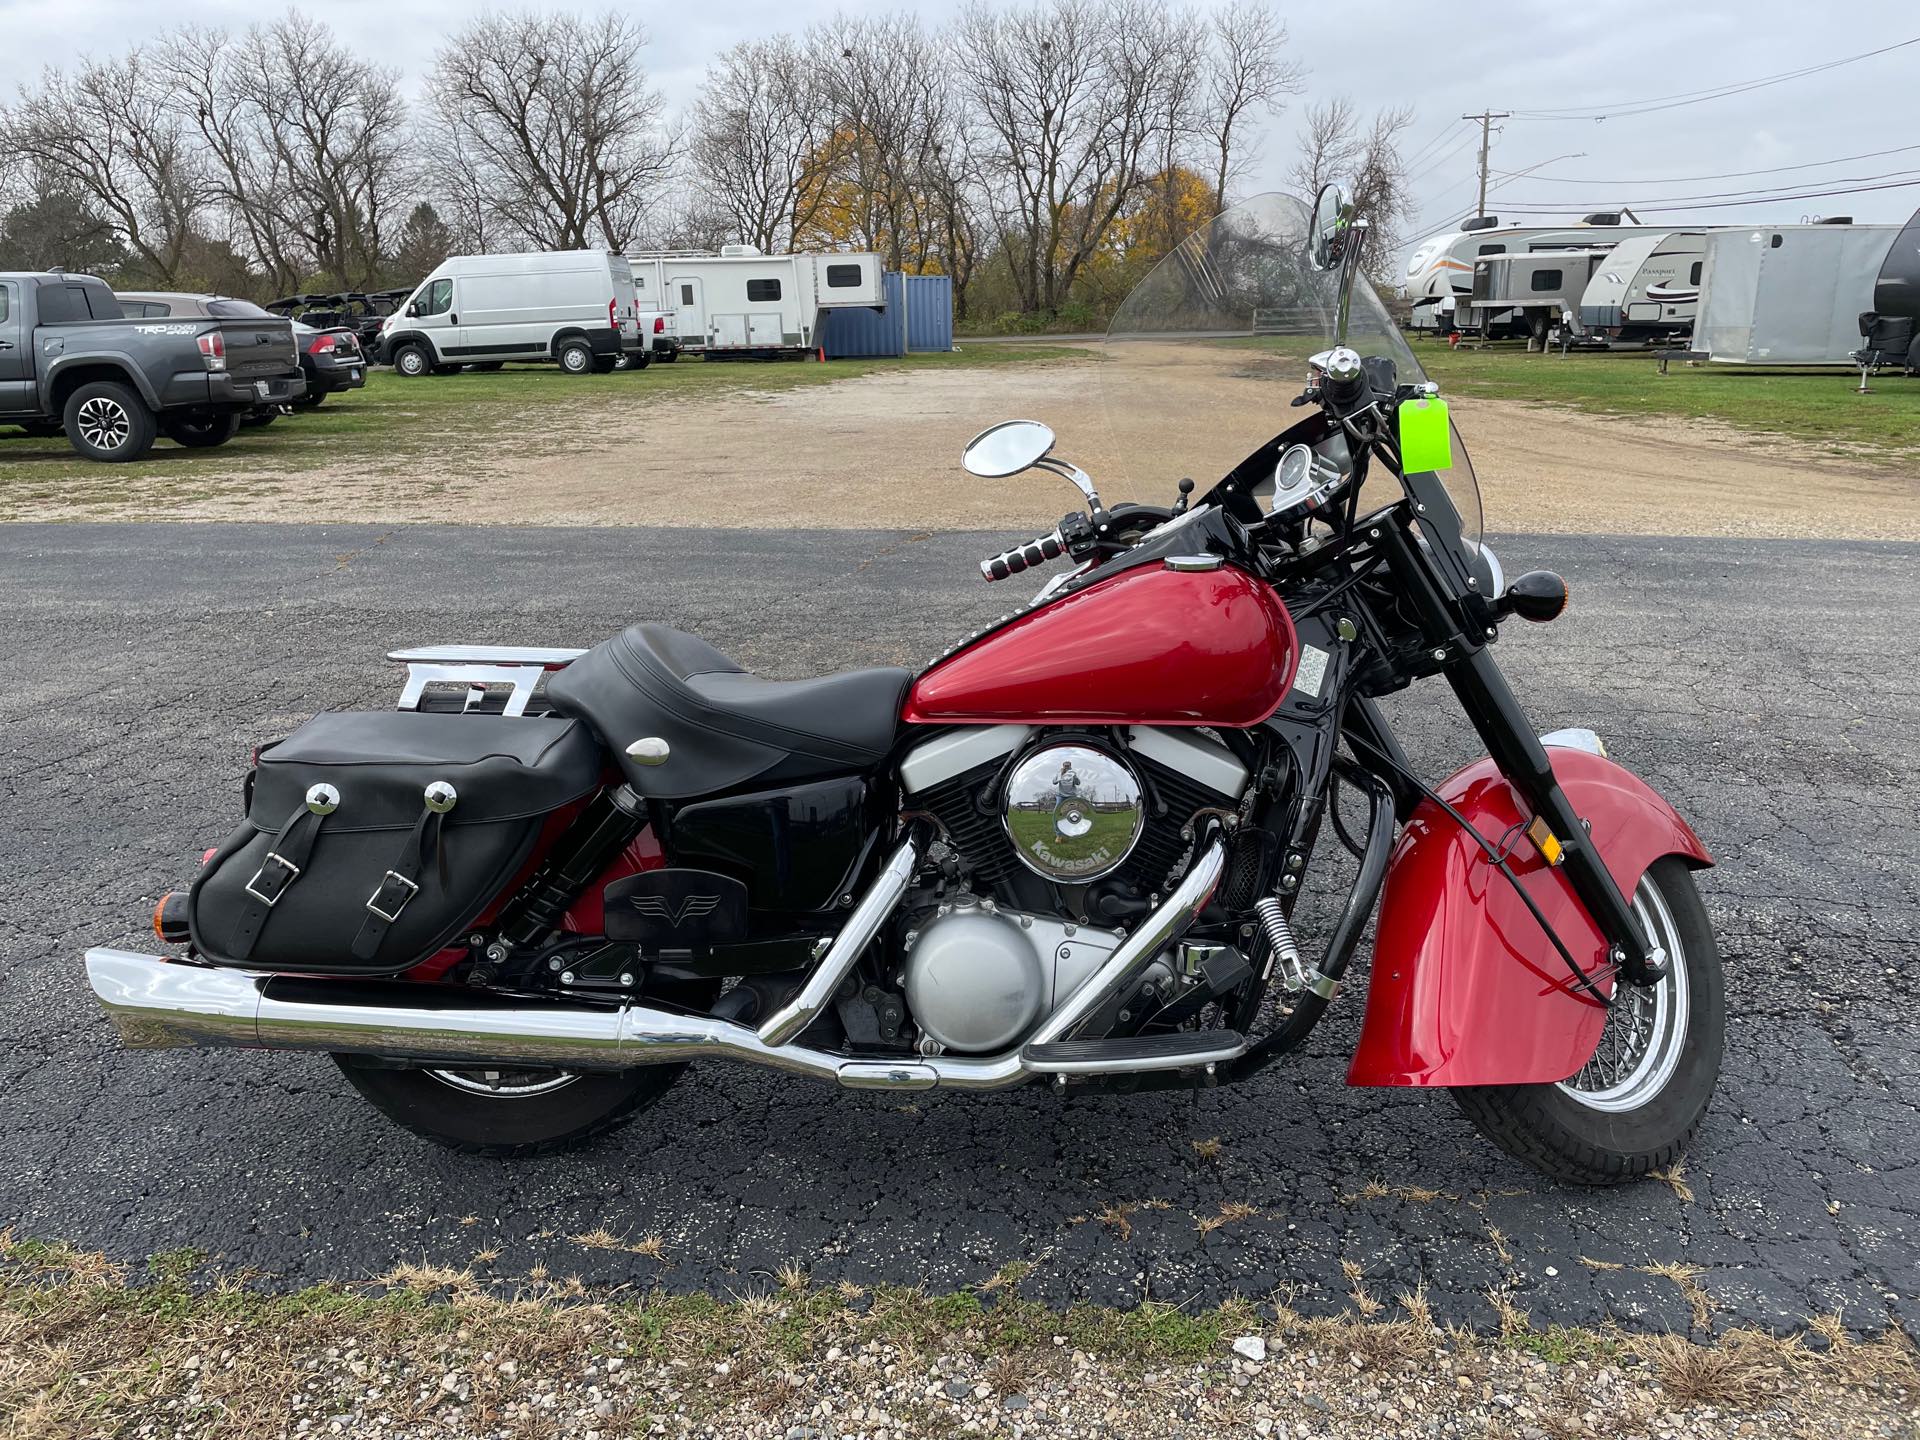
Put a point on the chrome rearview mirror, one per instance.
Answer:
(1007, 448)
(1334, 242)
(1326, 237)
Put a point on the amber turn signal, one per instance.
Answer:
(170, 918)
(1538, 595)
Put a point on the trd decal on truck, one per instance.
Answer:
(165, 329)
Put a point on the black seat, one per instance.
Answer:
(723, 727)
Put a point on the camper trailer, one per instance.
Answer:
(741, 302)
(1440, 269)
(1647, 291)
(1537, 290)
(1788, 294)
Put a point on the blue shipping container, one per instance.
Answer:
(919, 316)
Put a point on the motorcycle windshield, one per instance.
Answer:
(1206, 353)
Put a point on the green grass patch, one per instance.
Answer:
(395, 425)
(1818, 407)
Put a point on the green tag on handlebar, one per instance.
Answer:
(1426, 439)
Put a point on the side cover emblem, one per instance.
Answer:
(676, 909)
(692, 907)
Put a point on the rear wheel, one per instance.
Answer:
(575, 356)
(497, 1111)
(1637, 1102)
(201, 432)
(107, 420)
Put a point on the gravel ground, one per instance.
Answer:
(884, 450)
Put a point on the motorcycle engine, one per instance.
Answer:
(1059, 839)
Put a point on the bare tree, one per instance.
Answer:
(1077, 99)
(109, 135)
(1335, 145)
(760, 143)
(309, 143)
(1248, 69)
(552, 127)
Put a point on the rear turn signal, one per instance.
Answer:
(1538, 595)
(170, 918)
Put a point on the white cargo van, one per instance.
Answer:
(571, 307)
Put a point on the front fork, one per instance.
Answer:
(1510, 739)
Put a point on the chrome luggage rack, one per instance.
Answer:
(477, 669)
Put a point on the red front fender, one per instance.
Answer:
(1466, 989)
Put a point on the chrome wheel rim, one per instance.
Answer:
(104, 423)
(1646, 1030)
(505, 1084)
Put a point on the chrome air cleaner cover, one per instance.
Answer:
(1074, 813)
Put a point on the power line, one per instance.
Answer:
(1561, 206)
(1726, 175)
(1768, 191)
(1437, 161)
(1698, 97)
(1434, 139)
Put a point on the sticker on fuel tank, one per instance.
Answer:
(1312, 671)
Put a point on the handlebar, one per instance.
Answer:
(1050, 546)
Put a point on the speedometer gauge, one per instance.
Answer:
(1303, 481)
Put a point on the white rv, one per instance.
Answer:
(741, 302)
(1536, 290)
(1439, 272)
(571, 307)
(1647, 290)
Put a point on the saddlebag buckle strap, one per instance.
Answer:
(390, 897)
(271, 880)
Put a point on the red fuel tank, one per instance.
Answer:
(1151, 646)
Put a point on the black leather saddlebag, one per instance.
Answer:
(372, 839)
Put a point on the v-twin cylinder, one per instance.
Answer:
(158, 1004)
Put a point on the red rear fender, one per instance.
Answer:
(1466, 988)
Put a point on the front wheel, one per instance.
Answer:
(505, 1112)
(1636, 1103)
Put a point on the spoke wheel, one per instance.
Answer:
(1634, 1106)
(104, 423)
(1646, 1029)
(506, 1083)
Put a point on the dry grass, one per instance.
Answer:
(1208, 1149)
(85, 1352)
(1687, 1277)
(1675, 1178)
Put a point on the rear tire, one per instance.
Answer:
(1637, 1103)
(508, 1112)
(575, 356)
(108, 421)
(202, 432)
(605, 364)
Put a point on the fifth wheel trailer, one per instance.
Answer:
(741, 302)
(1788, 294)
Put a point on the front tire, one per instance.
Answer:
(1636, 1104)
(412, 361)
(501, 1112)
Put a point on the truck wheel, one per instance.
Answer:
(1637, 1102)
(575, 356)
(201, 432)
(635, 362)
(310, 400)
(412, 361)
(667, 357)
(108, 421)
(258, 419)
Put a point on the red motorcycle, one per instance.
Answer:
(1069, 851)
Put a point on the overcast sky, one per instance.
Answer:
(1443, 60)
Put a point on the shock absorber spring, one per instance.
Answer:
(1278, 931)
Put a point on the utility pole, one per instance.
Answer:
(1486, 119)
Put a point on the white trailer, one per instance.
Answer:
(1788, 294)
(1538, 290)
(741, 302)
(1648, 289)
(1439, 271)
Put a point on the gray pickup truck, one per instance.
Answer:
(71, 359)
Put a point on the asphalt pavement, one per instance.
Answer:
(1767, 687)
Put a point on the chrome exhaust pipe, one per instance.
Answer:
(158, 1004)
